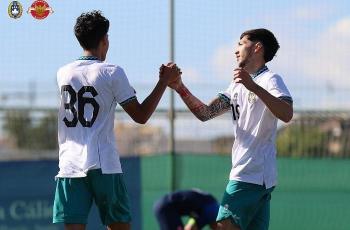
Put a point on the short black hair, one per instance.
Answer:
(267, 39)
(90, 28)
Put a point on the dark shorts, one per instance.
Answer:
(74, 196)
(247, 205)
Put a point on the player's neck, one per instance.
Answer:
(92, 53)
(254, 67)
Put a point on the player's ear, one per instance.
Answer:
(258, 47)
(105, 39)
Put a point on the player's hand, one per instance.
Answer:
(240, 75)
(169, 73)
(191, 227)
(177, 82)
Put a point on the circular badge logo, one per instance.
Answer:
(40, 9)
(15, 10)
(251, 97)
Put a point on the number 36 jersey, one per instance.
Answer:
(89, 93)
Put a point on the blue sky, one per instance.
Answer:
(314, 37)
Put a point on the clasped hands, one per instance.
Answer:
(171, 75)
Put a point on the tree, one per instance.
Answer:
(31, 132)
(302, 140)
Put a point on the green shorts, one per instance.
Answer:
(247, 205)
(74, 196)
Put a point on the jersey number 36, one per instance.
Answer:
(78, 112)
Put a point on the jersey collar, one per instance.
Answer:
(85, 58)
(260, 71)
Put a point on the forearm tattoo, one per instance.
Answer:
(216, 108)
(202, 111)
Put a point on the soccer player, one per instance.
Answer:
(257, 98)
(201, 207)
(89, 165)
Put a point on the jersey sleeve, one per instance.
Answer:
(226, 95)
(122, 90)
(278, 89)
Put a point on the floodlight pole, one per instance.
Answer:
(172, 101)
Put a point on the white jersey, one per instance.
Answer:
(254, 151)
(90, 91)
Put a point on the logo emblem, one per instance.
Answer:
(251, 97)
(15, 10)
(40, 9)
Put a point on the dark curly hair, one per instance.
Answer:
(90, 28)
(267, 39)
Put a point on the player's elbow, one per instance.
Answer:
(141, 120)
(202, 118)
(286, 112)
(287, 117)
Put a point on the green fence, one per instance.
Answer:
(311, 194)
